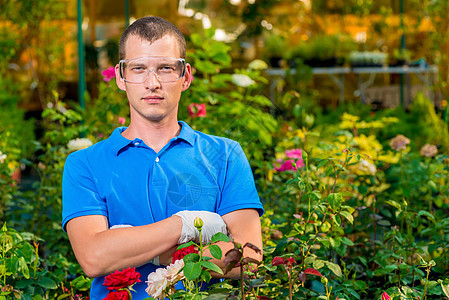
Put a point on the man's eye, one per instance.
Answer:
(138, 69)
(167, 68)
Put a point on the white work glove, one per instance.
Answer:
(155, 260)
(213, 223)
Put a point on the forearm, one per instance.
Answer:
(244, 226)
(105, 251)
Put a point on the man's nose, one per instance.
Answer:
(152, 80)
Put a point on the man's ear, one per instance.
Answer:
(188, 77)
(120, 82)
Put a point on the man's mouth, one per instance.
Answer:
(152, 99)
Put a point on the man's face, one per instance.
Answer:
(153, 100)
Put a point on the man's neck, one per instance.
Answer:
(154, 134)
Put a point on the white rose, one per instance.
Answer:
(173, 275)
(242, 80)
(78, 144)
(157, 283)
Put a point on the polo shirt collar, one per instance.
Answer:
(187, 133)
(118, 141)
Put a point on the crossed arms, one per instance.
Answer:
(101, 251)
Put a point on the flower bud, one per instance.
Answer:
(198, 223)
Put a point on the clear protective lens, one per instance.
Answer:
(137, 70)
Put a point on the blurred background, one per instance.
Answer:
(41, 42)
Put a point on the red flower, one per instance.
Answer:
(108, 74)
(118, 295)
(179, 254)
(121, 279)
(278, 261)
(385, 296)
(197, 110)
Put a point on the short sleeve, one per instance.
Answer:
(239, 190)
(79, 192)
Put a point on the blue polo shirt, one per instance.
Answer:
(129, 183)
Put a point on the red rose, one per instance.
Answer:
(118, 295)
(179, 254)
(121, 279)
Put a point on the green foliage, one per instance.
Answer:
(24, 275)
(236, 99)
(433, 128)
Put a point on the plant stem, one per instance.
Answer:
(242, 288)
(424, 296)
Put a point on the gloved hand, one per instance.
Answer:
(213, 223)
(155, 260)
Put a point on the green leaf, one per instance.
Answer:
(197, 297)
(347, 216)
(353, 293)
(215, 251)
(81, 283)
(347, 241)
(427, 214)
(334, 268)
(219, 296)
(318, 264)
(220, 237)
(46, 283)
(211, 266)
(205, 276)
(325, 227)
(322, 163)
(196, 39)
(335, 200)
(24, 267)
(445, 289)
(384, 222)
(185, 245)
(21, 284)
(394, 204)
(191, 257)
(192, 270)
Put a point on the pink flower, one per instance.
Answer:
(121, 120)
(294, 153)
(197, 110)
(287, 165)
(108, 74)
(385, 296)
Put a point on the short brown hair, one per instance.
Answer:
(152, 29)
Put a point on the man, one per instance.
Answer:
(155, 175)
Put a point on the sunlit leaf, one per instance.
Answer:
(334, 268)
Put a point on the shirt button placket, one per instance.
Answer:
(157, 159)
